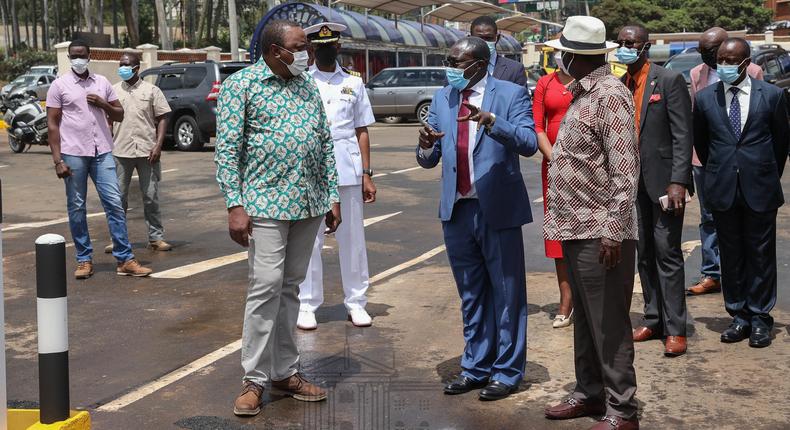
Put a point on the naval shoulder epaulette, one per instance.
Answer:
(351, 72)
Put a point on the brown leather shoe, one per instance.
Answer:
(571, 408)
(642, 334)
(249, 401)
(611, 422)
(705, 285)
(132, 268)
(159, 245)
(298, 388)
(84, 270)
(675, 346)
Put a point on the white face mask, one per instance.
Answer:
(79, 65)
(299, 64)
(558, 60)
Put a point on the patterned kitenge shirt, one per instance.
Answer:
(593, 173)
(274, 154)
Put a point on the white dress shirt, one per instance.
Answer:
(744, 97)
(475, 99)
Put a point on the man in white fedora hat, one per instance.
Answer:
(591, 209)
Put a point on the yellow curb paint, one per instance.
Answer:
(2, 125)
(27, 419)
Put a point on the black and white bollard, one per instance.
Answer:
(53, 329)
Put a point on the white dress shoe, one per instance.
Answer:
(360, 318)
(306, 321)
(561, 321)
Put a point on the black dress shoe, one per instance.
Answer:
(760, 337)
(462, 384)
(496, 390)
(735, 333)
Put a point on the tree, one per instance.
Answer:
(729, 14)
(130, 8)
(164, 33)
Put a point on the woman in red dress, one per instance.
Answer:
(551, 101)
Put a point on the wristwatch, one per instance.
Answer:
(368, 172)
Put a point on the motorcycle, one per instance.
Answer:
(26, 120)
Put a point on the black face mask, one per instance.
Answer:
(326, 55)
(709, 58)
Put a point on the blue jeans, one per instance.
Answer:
(707, 230)
(101, 170)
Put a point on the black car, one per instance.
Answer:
(191, 90)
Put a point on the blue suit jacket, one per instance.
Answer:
(500, 187)
(756, 161)
(509, 70)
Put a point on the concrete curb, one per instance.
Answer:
(27, 419)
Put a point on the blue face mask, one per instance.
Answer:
(627, 55)
(456, 79)
(126, 72)
(492, 48)
(728, 73)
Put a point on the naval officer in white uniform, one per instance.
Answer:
(349, 113)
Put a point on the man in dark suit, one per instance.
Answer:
(741, 136)
(500, 67)
(664, 127)
(479, 126)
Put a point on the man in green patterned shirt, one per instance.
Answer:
(276, 167)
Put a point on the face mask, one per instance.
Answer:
(560, 64)
(492, 48)
(627, 55)
(728, 73)
(79, 65)
(299, 64)
(126, 72)
(326, 55)
(456, 79)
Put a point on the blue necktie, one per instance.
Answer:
(735, 113)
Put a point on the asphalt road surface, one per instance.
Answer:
(163, 352)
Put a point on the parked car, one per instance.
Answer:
(684, 62)
(38, 84)
(192, 89)
(44, 69)
(400, 93)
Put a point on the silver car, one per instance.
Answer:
(400, 93)
(38, 84)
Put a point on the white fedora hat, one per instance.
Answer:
(584, 35)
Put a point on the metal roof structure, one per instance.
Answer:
(398, 7)
(467, 11)
(520, 22)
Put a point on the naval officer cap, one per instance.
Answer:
(324, 32)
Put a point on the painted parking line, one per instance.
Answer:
(686, 247)
(231, 348)
(46, 223)
(3, 165)
(397, 172)
(214, 263)
(163, 172)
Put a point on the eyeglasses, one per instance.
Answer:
(453, 63)
(627, 43)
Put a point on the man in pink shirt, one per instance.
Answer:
(78, 105)
(701, 77)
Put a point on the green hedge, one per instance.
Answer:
(18, 64)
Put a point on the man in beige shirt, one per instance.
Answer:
(138, 143)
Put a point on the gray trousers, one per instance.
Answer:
(278, 256)
(660, 263)
(150, 175)
(603, 346)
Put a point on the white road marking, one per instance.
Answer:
(170, 378)
(29, 253)
(163, 172)
(538, 200)
(414, 261)
(214, 263)
(4, 165)
(371, 221)
(686, 247)
(406, 170)
(378, 175)
(184, 371)
(46, 223)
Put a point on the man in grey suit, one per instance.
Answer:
(500, 67)
(664, 126)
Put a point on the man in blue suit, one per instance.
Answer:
(480, 125)
(500, 67)
(741, 137)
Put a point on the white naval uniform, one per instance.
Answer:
(347, 107)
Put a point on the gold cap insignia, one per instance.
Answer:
(325, 32)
